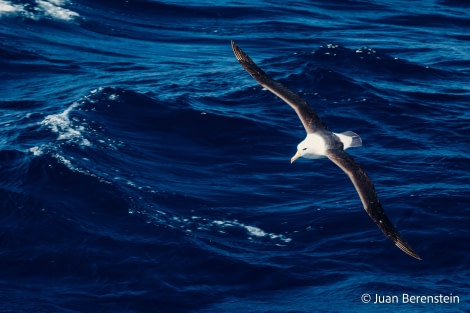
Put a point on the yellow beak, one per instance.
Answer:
(295, 157)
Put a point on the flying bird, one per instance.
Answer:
(320, 142)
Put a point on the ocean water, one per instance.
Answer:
(143, 170)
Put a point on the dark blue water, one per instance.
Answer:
(143, 170)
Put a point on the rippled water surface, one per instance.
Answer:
(143, 170)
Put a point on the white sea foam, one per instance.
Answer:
(251, 230)
(61, 125)
(36, 151)
(53, 9)
(255, 231)
(196, 224)
(67, 129)
(7, 7)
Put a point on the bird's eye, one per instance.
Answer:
(304, 149)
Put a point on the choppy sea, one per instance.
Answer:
(143, 170)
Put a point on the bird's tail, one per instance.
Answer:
(350, 139)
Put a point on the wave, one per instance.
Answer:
(92, 151)
(38, 9)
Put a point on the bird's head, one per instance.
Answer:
(312, 147)
(303, 149)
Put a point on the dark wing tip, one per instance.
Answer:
(249, 65)
(405, 247)
(239, 54)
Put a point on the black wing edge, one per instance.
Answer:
(365, 189)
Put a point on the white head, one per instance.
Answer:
(312, 147)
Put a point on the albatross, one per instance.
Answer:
(320, 142)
